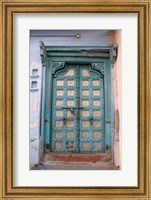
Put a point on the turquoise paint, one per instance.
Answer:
(108, 119)
(64, 108)
(43, 106)
(78, 118)
(47, 106)
(92, 119)
(94, 63)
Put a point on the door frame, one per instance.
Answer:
(54, 59)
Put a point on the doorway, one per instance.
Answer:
(77, 100)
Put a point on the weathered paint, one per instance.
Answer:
(87, 123)
(117, 83)
(34, 104)
(35, 65)
(104, 67)
(34, 124)
(35, 96)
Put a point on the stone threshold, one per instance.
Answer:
(77, 157)
(75, 161)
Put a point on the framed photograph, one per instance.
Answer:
(75, 99)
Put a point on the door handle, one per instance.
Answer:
(64, 120)
(70, 108)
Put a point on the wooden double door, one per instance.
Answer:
(78, 110)
(77, 101)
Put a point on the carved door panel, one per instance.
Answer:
(64, 112)
(77, 110)
(92, 111)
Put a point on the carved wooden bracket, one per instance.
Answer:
(57, 67)
(98, 67)
(43, 53)
(113, 54)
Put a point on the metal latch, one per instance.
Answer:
(107, 147)
(47, 146)
(91, 120)
(108, 122)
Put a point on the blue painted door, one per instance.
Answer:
(78, 110)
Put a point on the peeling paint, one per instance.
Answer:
(34, 108)
(117, 120)
(35, 100)
(34, 144)
(33, 140)
(34, 147)
(34, 104)
(34, 124)
(117, 101)
(35, 65)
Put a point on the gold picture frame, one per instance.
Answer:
(143, 9)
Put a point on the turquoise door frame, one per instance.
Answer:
(54, 59)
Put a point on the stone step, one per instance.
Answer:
(77, 157)
(62, 165)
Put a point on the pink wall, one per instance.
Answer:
(116, 78)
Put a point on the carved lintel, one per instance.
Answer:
(98, 67)
(113, 54)
(57, 66)
(43, 53)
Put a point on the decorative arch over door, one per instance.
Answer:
(77, 99)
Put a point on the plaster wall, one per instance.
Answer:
(88, 38)
(116, 80)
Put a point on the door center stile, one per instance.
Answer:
(78, 106)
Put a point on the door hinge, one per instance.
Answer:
(107, 147)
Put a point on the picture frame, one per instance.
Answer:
(8, 9)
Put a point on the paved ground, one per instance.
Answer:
(61, 165)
